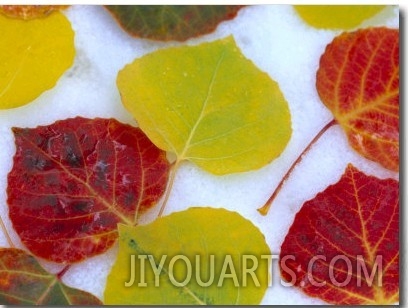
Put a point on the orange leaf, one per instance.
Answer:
(358, 80)
(343, 245)
(74, 180)
(29, 11)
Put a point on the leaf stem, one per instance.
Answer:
(174, 168)
(3, 227)
(63, 271)
(265, 209)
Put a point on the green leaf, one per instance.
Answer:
(33, 56)
(343, 17)
(208, 104)
(199, 233)
(24, 282)
(171, 22)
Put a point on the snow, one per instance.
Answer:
(279, 43)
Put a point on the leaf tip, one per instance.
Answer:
(17, 131)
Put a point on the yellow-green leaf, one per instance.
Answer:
(33, 56)
(337, 16)
(208, 104)
(238, 273)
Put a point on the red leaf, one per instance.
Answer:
(358, 80)
(74, 180)
(358, 215)
(24, 282)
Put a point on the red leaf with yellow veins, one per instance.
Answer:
(24, 282)
(29, 11)
(343, 245)
(358, 80)
(74, 180)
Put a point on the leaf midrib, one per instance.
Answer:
(185, 288)
(201, 115)
(368, 106)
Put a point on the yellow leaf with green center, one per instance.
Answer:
(198, 256)
(208, 104)
(337, 16)
(33, 56)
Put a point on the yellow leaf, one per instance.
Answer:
(29, 11)
(337, 16)
(208, 104)
(33, 56)
(182, 245)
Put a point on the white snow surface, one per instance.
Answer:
(279, 43)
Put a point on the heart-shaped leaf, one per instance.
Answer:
(33, 56)
(358, 80)
(24, 282)
(74, 180)
(238, 273)
(208, 104)
(343, 246)
(171, 22)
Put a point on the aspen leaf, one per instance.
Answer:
(208, 104)
(33, 56)
(24, 282)
(337, 16)
(171, 22)
(74, 180)
(358, 80)
(355, 220)
(27, 12)
(194, 233)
